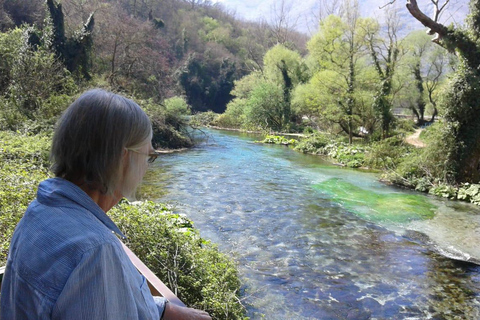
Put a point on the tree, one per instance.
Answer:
(265, 107)
(285, 68)
(384, 51)
(462, 110)
(428, 64)
(282, 23)
(133, 54)
(339, 50)
(75, 50)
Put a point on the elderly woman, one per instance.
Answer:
(65, 260)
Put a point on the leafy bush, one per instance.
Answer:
(23, 164)
(313, 143)
(444, 191)
(193, 268)
(387, 153)
(234, 116)
(177, 106)
(278, 140)
(30, 150)
(469, 192)
(202, 119)
(169, 128)
(404, 126)
(352, 156)
(34, 84)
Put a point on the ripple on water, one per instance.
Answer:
(319, 242)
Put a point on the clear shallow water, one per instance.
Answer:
(314, 241)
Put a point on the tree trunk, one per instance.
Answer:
(462, 110)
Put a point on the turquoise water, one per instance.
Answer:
(315, 241)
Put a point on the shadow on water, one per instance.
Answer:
(315, 241)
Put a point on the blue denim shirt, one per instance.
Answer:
(65, 262)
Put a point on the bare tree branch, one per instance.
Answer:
(433, 25)
(387, 4)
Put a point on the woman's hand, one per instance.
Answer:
(174, 312)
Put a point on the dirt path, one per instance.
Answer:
(414, 139)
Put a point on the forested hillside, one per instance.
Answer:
(150, 49)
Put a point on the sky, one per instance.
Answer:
(303, 11)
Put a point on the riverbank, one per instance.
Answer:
(257, 132)
(383, 157)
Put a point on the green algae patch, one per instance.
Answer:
(378, 207)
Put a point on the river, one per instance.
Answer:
(316, 241)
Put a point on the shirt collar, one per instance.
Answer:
(55, 187)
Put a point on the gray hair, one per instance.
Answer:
(91, 136)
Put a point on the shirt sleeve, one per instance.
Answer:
(105, 285)
(161, 303)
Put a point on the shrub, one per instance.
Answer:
(177, 106)
(387, 154)
(278, 140)
(444, 191)
(469, 192)
(23, 165)
(202, 119)
(313, 143)
(404, 126)
(169, 128)
(234, 115)
(193, 268)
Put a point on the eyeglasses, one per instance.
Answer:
(151, 156)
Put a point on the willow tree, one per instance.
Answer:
(461, 104)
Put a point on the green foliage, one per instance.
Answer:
(404, 126)
(235, 114)
(194, 269)
(169, 123)
(278, 140)
(203, 119)
(233, 117)
(462, 131)
(387, 154)
(444, 191)
(352, 156)
(10, 44)
(23, 164)
(469, 192)
(313, 143)
(244, 86)
(176, 106)
(34, 84)
(421, 169)
(278, 56)
(340, 91)
(265, 108)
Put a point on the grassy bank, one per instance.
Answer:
(398, 162)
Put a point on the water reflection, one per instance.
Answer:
(302, 253)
